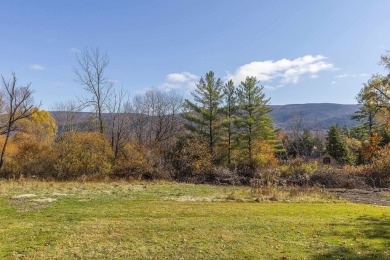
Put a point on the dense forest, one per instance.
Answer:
(223, 134)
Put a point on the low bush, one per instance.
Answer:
(132, 162)
(376, 174)
(34, 159)
(224, 176)
(80, 154)
(191, 161)
(298, 171)
(380, 168)
(349, 177)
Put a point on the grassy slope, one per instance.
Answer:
(176, 220)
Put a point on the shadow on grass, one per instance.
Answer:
(374, 231)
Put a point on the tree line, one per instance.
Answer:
(223, 134)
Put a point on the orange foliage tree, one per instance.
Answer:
(371, 147)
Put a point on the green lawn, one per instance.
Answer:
(168, 220)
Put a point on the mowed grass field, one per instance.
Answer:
(53, 220)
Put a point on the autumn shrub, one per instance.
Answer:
(29, 151)
(191, 160)
(28, 158)
(133, 161)
(34, 159)
(264, 154)
(83, 154)
(379, 172)
(267, 177)
(159, 163)
(349, 177)
(10, 168)
(298, 171)
(375, 174)
(223, 176)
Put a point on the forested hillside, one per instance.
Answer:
(313, 115)
(318, 116)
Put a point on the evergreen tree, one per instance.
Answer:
(253, 121)
(360, 132)
(308, 142)
(204, 116)
(336, 146)
(369, 108)
(345, 131)
(230, 110)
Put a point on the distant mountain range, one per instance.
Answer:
(312, 116)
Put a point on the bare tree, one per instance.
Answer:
(157, 116)
(296, 126)
(119, 120)
(140, 119)
(68, 117)
(165, 109)
(91, 74)
(16, 104)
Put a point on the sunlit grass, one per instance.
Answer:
(170, 220)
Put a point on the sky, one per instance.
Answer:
(300, 51)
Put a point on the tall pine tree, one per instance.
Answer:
(203, 116)
(253, 121)
(230, 110)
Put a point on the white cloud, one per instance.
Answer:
(276, 73)
(181, 77)
(284, 70)
(37, 67)
(180, 81)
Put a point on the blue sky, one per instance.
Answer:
(301, 51)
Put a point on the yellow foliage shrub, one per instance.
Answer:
(30, 150)
(79, 154)
(298, 169)
(264, 154)
(10, 168)
(133, 160)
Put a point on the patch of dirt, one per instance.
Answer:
(380, 197)
(45, 200)
(23, 196)
(24, 202)
(190, 198)
(28, 205)
(61, 194)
